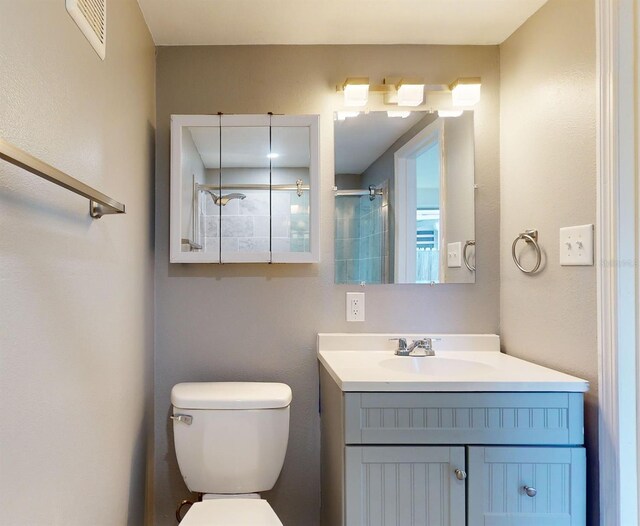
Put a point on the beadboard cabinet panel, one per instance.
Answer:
(464, 418)
(498, 477)
(404, 486)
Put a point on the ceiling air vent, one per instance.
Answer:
(91, 17)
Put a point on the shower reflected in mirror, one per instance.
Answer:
(404, 198)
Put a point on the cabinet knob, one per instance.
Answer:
(460, 474)
(531, 492)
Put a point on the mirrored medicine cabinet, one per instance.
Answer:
(404, 198)
(244, 189)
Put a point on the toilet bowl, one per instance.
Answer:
(231, 512)
(230, 441)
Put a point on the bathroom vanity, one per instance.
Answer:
(469, 436)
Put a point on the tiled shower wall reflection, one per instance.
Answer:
(360, 240)
(245, 223)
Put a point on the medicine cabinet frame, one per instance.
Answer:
(176, 239)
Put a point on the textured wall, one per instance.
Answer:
(547, 181)
(76, 295)
(259, 322)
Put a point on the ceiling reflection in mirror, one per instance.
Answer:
(404, 198)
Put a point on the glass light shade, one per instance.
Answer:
(449, 113)
(401, 114)
(356, 94)
(465, 94)
(410, 94)
(342, 115)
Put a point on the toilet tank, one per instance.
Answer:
(230, 437)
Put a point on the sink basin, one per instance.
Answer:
(434, 365)
(362, 363)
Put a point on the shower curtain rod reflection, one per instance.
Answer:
(372, 192)
(255, 186)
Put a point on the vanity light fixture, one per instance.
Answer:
(342, 115)
(356, 91)
(410, 92)
(403, 91)
(401, 114)
(273, 155)
(449, 113)
(465, 91)
(407, 91)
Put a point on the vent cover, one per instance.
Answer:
(91, 17)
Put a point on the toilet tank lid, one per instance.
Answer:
(230, 395)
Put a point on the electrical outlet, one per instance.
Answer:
(355, 306)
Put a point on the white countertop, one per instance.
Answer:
(374, 366)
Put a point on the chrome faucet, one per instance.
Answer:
(420, 347)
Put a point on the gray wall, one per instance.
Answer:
(459, 193)
(76, 294)
(547, 181)
(259, 322)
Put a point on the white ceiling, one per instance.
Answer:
(234, 22)
(361, 140)
(248, 147)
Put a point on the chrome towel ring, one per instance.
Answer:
(465, 258)
(531, 237)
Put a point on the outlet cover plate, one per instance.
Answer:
(576, 245)
(355, 306)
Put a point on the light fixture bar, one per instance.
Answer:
(409, 91)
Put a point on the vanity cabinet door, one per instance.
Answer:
(526, 486)
(404, 486)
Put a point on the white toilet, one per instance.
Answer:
(230, 440)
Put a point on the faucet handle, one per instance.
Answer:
(429, 341)
(402, 346)
(423, 343)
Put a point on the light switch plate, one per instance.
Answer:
(576, 245)
(454, 255)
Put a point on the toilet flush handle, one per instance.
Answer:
(185, 419)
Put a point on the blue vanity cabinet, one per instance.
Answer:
(391, 458)
(405, 485)
(526, 486)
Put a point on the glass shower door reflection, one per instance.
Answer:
(244, 202)
(290, 171)
(361, 236)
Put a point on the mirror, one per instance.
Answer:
(404, 198)
(244, 189)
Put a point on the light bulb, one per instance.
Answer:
(410, 94)
(465, 92)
